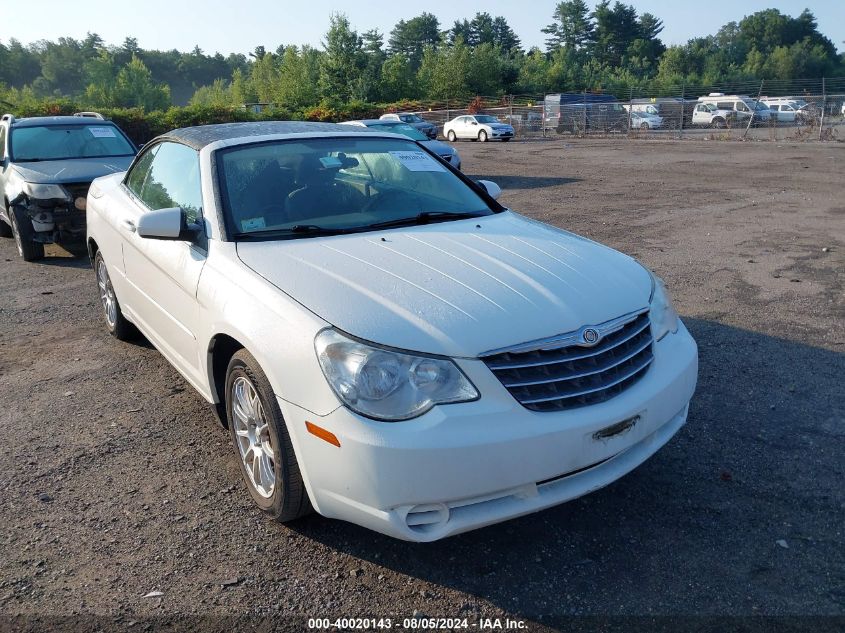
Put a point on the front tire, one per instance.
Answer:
(262, 442)
(452, 136)
(117, 324)
(482, 136)
(23, 233)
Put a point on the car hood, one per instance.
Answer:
(422, 124)
(499, 126)
(71, 170)
(438, 147)
(457, 288)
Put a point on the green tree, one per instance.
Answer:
(134, 88)
(410, 38)
(342, 61)
(572, 26)
(374, 56)
(445, 71)
(264, 78)
(397, 79)
(298, 76)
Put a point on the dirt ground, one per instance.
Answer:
(115, 480)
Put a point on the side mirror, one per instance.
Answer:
(493, 190)
(167, 224)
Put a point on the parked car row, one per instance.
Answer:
(386, 343)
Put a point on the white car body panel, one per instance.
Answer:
(458, 289)
(451, 288)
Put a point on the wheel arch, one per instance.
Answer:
(93, 247)
(221, 348)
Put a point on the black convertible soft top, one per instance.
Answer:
(202, 135)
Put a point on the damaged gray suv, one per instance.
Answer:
(46, 167)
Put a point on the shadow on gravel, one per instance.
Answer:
(527, 182)
(64, 262)
(699, 528)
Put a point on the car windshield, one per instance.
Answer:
(57, 142)
(486, 118)
(300, 188)
(410, 118)
(760, 106)
(402, 128)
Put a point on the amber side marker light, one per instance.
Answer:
(322, 433)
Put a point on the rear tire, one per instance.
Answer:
(117, 324)
(262, 443)
(452, 136)
(23, 233)
(718, 124)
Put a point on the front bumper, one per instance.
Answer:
(464, 466)
(55, 223)
(501, 134)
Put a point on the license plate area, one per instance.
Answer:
(617, 429)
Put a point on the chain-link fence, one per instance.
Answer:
(797, 110)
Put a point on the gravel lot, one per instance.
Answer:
(116, 481)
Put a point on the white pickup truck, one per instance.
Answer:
(707, 114)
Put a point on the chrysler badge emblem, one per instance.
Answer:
(590, 336)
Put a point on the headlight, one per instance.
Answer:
(664, 319)
(388, 385)
(44, 192)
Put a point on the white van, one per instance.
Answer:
(743, 105)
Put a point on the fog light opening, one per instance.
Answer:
(426, 517)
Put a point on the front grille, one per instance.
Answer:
(558, 378)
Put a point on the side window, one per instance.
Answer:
(135, 179)
(174, 180)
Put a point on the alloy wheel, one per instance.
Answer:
(252, 434)
(16, 233)
(107, 297)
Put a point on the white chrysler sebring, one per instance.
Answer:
(385, 342)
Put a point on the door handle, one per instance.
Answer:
(128, 225)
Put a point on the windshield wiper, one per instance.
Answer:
(300, 229)
(314, 229)
(423, 218)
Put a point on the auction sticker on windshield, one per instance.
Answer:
(102, 132)
(417, 161)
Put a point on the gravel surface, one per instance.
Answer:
(115, 480)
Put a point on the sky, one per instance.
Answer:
(225, 26)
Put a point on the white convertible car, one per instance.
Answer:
(386, 343)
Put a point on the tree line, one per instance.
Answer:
(610, 47)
